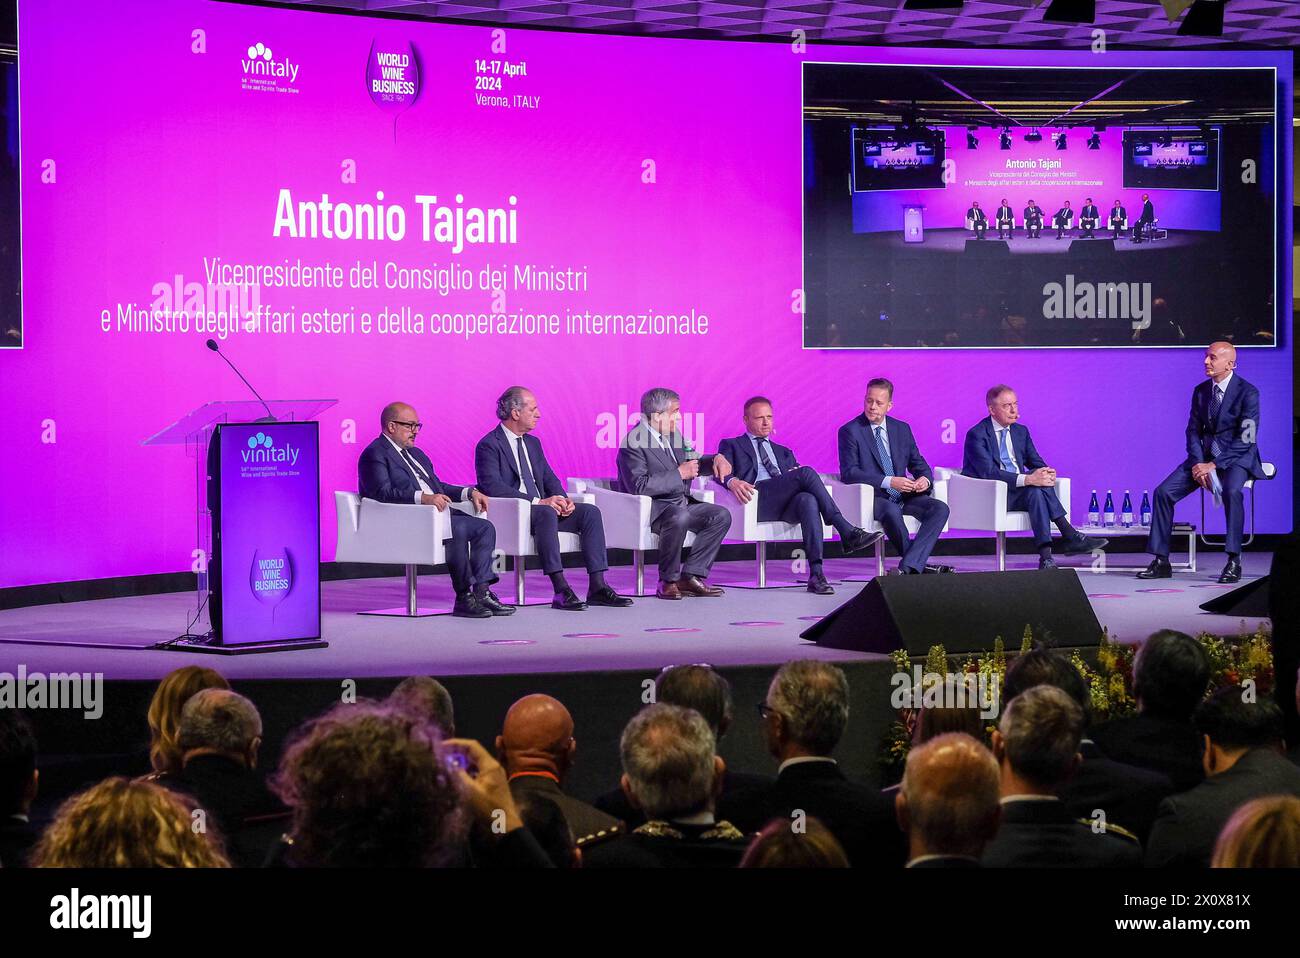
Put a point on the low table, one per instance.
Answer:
(1116, 532)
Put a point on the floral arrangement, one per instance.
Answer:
(1109, 676)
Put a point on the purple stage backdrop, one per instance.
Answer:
(269, 533)
(1036, 171)
(168, 146)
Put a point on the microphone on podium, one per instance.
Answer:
(270, 416)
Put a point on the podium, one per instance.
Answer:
(257, 529)
(913, 223)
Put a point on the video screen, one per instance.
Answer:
(1075, 207)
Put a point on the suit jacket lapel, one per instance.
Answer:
(1228, 395)
(504, 442)
(991, 441)
(871, 441)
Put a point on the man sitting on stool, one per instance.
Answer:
(509, 464)
(880, 452)
(790, 492)
(392, 469)
(1000, 448)
(1148, 218)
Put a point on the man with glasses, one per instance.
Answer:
(1000, 448)
(392, 469)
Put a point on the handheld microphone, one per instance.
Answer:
(269, 417)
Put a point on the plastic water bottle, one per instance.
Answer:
(1126, 511)
(1094, 510)
(1145, 514)
(1108, 514)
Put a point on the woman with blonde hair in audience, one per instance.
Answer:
(124, 824)
(1264, 833)
(165, 714)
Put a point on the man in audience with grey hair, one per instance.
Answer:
(804, 716)
(948, 802)
(656, 460)
(219, 736)
(1037, 748)
(671, 772)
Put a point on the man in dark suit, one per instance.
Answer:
(1147, 218)
(1222, 453)
(1062, 219)
(879, 452)
(1037, 747)
(537, 748)
(977, 220)
(1243, 761)
(220, 735)
(1126, 794)
(947, 805)
(1000, 448)
(655, 460)
(1006, 220)
(789, 492)
(672, 773)
(704, 689)
(1033, 219)
(18, 785)
(804, 716)
(392, 469)
(1170, 674)
(509, 463)
(1089, 217)
(1118, 216)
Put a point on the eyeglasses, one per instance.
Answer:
(412, 426)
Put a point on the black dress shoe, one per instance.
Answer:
(859, 539)
(818, 585)
(1081, 544)
(568, 601)
(468, 606)
(1046, 562)
(1158, 569)
(937, 569)
(607, 597)
(1231, 572)
(494, 605)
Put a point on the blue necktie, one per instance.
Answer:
(526, 471)
(882, 445)
(1215, 405)
(765, 459)
(1007, 463)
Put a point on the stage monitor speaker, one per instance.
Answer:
(963, 613)
(1092, 247)
(1249, 600)
(988, 247)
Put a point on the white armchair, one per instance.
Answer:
(627, 519)
(857, 500)
(981, 505)
(512, 518)
(746, 527)
(392, 533)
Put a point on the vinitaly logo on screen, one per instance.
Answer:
(263, 72)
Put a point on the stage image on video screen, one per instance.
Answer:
(1004, 207)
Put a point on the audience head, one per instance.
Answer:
(124, 824)
(517, 408)
(220, 722)
(1043, 666)
(670, 769)
(428, 699)
(697, 687)
(806, 710)
(929, 721)
(1264, 833)
(401, 423)
(369, 787)
(661, 409)
(1230, 727)
(948, 801)
(18, 773)
(1170, 675)
(165, 712)
(1037, 741)
(778, 845)
(537, 736)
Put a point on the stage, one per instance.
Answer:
(954, 241)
